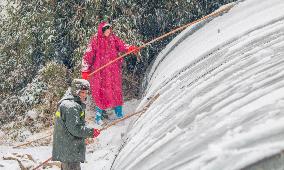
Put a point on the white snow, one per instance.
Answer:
(221, 95)
(10, 164)
(32, 114)
(221, 103)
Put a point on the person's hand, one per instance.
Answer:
(96, 132)
(133, 49)
(85, 74)
(89, 141)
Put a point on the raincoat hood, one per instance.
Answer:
(100, 29)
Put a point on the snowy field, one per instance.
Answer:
(221, 103)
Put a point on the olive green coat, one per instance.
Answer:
(70, 130)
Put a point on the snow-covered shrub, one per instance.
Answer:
(56, 77)
(31, 114)
(33, 92)
(11, 107)
(35, 104)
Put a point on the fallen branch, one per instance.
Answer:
(24, 144)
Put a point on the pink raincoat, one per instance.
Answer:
(106, 85)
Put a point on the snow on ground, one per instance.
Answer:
(99, 156)
(221, 97)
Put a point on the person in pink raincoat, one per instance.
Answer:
(106, 84)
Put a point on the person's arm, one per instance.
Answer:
(74, 124)
(120, 45)
(88, 58)
(123, 47)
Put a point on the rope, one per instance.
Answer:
(225, 9)
(105, 127)
(139, 48)
(42, 163)
(133, 114)
(109, 125)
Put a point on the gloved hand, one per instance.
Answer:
(134, 49)
(85, 74)
(96, 132)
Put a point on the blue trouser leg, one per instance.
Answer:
(99, 113)
(118, 111)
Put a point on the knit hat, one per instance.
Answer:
(79, 84)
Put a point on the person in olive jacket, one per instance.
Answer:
(70, 130)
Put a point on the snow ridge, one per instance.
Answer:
(221, 96)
